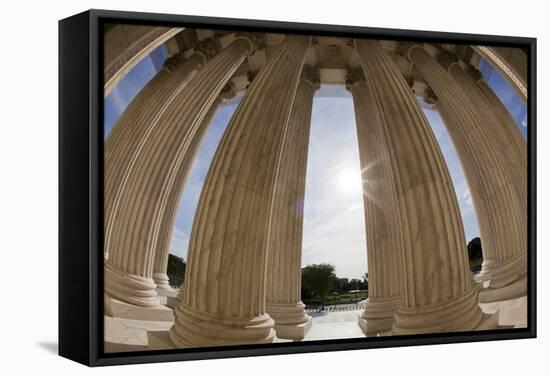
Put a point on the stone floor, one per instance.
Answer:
(512, 312)
(131, 335)
(333, 325)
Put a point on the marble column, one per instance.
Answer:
(135, 123)
(147, 186)
(510, 264)
(437, 286)
(225, 282)
(382, 220)
(284, 273)
(499, 110)
(166, 224)
(494, 165)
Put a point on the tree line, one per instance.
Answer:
(320, 285)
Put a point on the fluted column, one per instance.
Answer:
(166, 224)
(225, 282)
(382, 221)
(494, 164)
(284, 273)
(137, 120)
(151, 179)
(499, 109)
(437, 290)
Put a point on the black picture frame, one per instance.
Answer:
(80, 188)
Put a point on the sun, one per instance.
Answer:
(348, 180)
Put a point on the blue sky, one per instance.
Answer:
(127, 88)
(506, 94)
(334, 226)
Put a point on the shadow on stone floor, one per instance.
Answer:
(51, 347)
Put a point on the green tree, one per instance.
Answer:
(475, 254)
(175, 270)
(355, 284)
(318, 279)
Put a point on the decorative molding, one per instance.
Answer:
(333, 50)
(494, 58)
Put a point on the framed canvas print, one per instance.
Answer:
(236, 187)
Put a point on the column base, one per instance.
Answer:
(514, 290)
(509, 271)
(166, 295)
(162, 281)
(487, 268)
(291, 321)
(489, 321)
(200, 329)
(172, 302)
(116, 308)
(378, 315)
(159, 340)
(130, 288)
(173, 293)
(459, 314)
(295, 332)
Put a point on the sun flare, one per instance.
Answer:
(349, 180)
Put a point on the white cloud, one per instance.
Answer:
(179, 242)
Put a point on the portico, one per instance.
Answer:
(242, 282)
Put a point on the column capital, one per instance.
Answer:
(404, 49)
(474, 73)
(174, 61)
(228, 92)
(257, 40)
(354, 75)
(208, 47)
(446, 59)
(429, 96)
(410, 81)
(311, 75)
